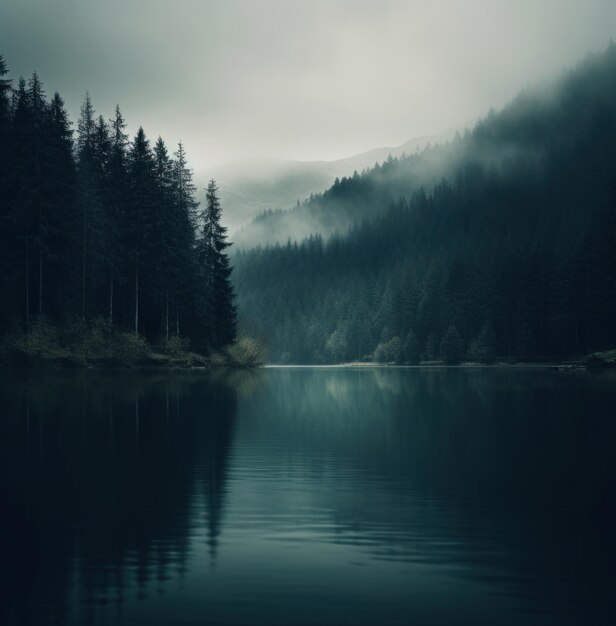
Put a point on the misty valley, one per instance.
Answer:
(371, 390)
(497, 245)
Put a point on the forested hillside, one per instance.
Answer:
(99, 232)
(250, 187)
(500, 243)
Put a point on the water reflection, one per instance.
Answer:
(99, 485)
(347, 496)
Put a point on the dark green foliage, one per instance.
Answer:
(452, 347)
(336, 347)
(514, 222)
(389, 351)
(214, 273)
(410, 349)
(98, 237)
(483, 347)
(602, 359)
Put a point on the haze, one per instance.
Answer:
(296, 80)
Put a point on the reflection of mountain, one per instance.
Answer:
(99, 475)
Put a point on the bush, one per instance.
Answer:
(336, 346)
(129, 348)
(452, 346)
(389, 351)
(96, 343)
(244, 352)
(42, 341)
(175, 346)
(602, 359)
(430, 352)
(483, 347)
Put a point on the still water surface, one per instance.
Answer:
(308, 496)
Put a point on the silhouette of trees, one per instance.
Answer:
(98, 227)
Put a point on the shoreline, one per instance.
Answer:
(556, 365)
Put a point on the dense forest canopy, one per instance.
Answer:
(501, 243)
(99, 230)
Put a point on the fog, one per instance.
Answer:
(307, 80)
(519, 142)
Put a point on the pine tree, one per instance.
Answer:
(5, 151)
(64, 239)
(452, 346)
(90, 200)
(116, 191)
(20, 205)
(5, 88)
(185, 207)
(142, 210)
(168, 240)
(483, 347)
(183, 185)
(41, 211)
(410, 348)
(216, 271)
(78, 222)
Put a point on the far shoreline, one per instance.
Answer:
(559, 365)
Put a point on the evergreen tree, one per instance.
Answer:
(39, 200)
(410, 349)
(483, 347)
(116, 198)
(142, 211)
(90, 176)
(183, 185)
(5, 89)
(168, 227)
(186, 303)
(452, 346)
(5, 151)
(20, 200)
(64, 237)
(389, 351)
(336, 346)
(104, 228)
(216, 271)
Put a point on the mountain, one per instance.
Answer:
(499, 243)
(249, 187)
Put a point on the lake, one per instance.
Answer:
(308, 496)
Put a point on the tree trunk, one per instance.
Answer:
(111, 303)
(167, 315)
(137, 297)
(27, 283)
(83, 268)
(40, 302)
(137, 421)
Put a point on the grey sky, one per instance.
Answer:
(304, 79)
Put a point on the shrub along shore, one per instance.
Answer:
(97, 344)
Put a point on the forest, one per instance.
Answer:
(500, 244)
(104, 248)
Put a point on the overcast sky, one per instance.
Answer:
(299, 79)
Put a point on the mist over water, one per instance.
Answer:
(334, 496)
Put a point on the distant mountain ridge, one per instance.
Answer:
(250, 186)
(499, 244)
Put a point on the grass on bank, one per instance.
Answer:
(602, 359)
(97, 344)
